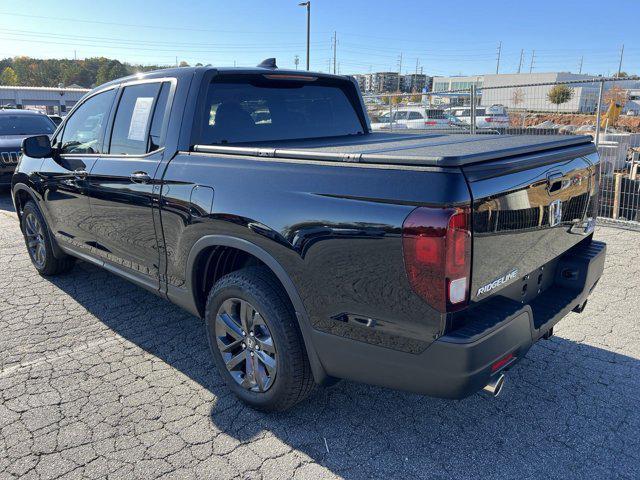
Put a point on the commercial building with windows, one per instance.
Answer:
(48, 100)
(386, 82)
(530, 91)
(449, 84)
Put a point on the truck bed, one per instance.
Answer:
(433, 149)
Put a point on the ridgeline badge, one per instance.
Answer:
(497, 282)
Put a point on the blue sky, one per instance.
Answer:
(459, 37)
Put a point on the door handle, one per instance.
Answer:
(80, 174)
(140, 177)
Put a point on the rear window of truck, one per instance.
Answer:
(258, 108)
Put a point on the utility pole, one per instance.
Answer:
(533, 57)
(399, 70)
(414, 82)
(335, 41)
(620, 64)
(296, 61)
(580, 67)
(308, 5)
(75, 57)
(498, 62)
(521, 58)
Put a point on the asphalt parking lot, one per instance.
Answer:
(101, 379)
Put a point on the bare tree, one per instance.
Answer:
(517, 98)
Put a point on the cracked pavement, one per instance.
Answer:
(101, 379)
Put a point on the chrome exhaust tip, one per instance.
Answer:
(494, 387)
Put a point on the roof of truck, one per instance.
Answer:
(181, 72)
(435, 149)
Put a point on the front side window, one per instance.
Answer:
(84, 129)
(256, 108)
(137, 127)
(414, 116)
(25, 124)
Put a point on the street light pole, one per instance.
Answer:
(308, 5)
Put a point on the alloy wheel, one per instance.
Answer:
(246, 345)
(35, 239)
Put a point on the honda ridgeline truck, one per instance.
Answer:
(315, 249)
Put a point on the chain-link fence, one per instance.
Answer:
(605, 109)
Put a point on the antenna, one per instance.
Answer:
(268, 63)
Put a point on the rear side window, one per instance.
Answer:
(137, 127)
(256, 108)
(415, 116)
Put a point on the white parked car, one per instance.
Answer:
(495, 116)
(415, 118)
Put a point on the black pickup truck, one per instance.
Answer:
(314, 249)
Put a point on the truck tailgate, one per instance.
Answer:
(527, 212)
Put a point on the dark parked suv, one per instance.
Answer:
(313, 248)
(15, 126)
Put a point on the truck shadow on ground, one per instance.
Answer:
(568, 409)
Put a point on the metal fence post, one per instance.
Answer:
(473, 110)
(598, 111)
(390, 112)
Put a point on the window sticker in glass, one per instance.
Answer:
(140, 118)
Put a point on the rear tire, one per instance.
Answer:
(38, 241)
(267, 366)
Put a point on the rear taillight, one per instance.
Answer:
(436, 244)
(430, 122)
(488, 119)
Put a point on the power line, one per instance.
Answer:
(620, 64)
(137, 25)
(533, 57)
(334, 51)
(521, 58)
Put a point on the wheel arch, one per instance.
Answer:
(21, 194)
(198, 254)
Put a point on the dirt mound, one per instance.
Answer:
(626, 123)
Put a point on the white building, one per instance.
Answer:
(530, 91)
(46, 99)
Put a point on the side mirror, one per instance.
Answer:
(37, 147)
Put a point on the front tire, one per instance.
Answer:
(256, 342)
(38, 241)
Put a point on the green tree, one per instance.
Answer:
(560, 94)
(110, 70)
(8, 77)
(183, 64)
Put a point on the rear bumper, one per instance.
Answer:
(459, 364)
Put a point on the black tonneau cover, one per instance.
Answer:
(434, 149)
